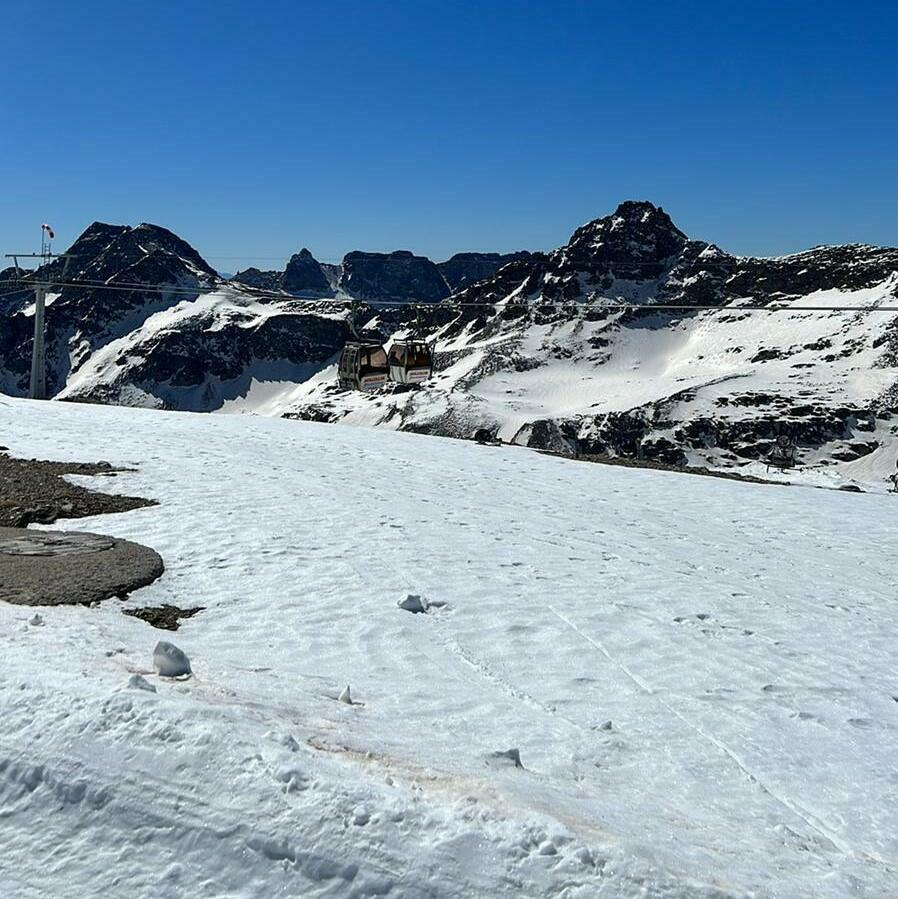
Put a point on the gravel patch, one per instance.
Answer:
(165, 617)
(61, 567)
(34, 492)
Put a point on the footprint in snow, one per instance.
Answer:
(713, 627)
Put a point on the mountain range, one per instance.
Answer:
(400, 276)
(631, 340)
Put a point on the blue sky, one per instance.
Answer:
(252, 129)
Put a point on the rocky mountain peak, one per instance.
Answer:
(610, 256)
(105, 251)
(638, 254)
(95, 238)
(112, 264)
(642, 211)
(151, 237)
(304, 274)
(632, 243)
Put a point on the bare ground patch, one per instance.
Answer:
(34, 491)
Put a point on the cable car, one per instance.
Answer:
(363, 366)
(411, 361)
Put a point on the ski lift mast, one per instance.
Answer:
(38, 384)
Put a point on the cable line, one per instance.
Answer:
(449, 303)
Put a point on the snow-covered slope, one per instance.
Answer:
(698, 675)
(805, 345)
(706, 388)
(224, 349)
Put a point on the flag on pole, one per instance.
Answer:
(50, 233)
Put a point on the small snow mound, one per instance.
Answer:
(288, 741)
(169, 661)
(139, 682)
(345, 695)
(360, 816)
(414, 603)
(295, 780)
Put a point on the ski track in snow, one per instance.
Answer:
(806, 816)
(738, 638)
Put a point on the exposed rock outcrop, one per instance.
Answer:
(464, 269)
(304, 275)
(399, 276)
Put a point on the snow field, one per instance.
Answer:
(698, 675)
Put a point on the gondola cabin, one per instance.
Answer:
(363, 366)
(411, 361)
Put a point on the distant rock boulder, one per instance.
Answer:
(547, 434)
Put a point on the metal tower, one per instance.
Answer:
(38, 386)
